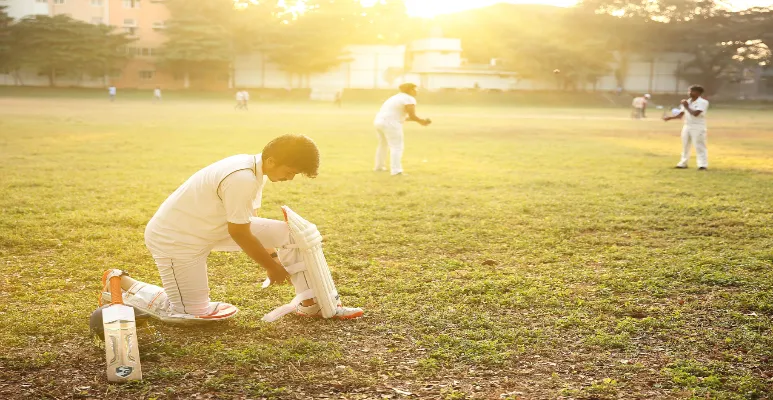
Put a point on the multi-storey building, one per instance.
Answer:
(142, 19)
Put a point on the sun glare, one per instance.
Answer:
(432, 8)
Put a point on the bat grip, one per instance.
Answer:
(115, 290)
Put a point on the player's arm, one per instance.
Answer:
(410, 109)
(677, 116)
(242, 235)
(693, 111)
(238, 192)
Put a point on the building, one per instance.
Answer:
(18, 9)
(437, 63)
(143, 19)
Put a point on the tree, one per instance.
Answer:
(106, 52)
(60, 45)
(626, 36)
(722, 45)
(720, 40)
(6, 58)
(197, 38)
(314, 41)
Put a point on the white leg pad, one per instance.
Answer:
(153, 300)
(307, 267)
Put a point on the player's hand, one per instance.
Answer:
(278, 275)
(685, 103)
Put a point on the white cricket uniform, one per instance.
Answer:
(639, 102)
(694, 130)
(239, 96)
(193, 221)
(157, 94)
(389, 125)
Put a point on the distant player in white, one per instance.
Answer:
(111, 91)
(157, 94)
(216, 210)
(389, 125)
(245, 99)
(694, 112)
(639, 105)
(239, 100)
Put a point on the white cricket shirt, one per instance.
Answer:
(196, 215)
(393, 110)
(698, 104)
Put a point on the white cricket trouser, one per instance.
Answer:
(696, 135)
(185, 277)
(390, 136)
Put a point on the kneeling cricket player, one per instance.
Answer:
(216, 210)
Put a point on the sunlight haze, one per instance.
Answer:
(431, 8)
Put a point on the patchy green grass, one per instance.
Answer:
(528, 254)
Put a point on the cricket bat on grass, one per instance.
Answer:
(121, 346)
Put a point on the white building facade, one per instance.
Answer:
(18, 9)
(437, 64)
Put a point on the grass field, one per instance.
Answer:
(528, 254)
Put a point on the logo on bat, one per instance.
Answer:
(123, 371)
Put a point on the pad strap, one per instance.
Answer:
(281, 311)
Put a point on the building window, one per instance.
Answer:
(42, 1)
(96, 20)
(159, 25)
(96, 3)
(130, 30)
(129, 22)
(131, 3)
(147, 74)
(58, 1)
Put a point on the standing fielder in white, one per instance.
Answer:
(389, 125)
(216, 210)
(694, 112)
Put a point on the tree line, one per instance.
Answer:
(59, 45)
(594, 39)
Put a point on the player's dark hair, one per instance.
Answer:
(407, 87)
(697, 88)
(295, 151)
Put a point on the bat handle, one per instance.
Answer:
(115, 290)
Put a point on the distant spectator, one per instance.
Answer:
(245, 99)
(111, 91)
(157, 94)
(639, 106)
(239, 100)
(338, 99)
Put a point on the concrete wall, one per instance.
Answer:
(467, 80)
(369, 67)
(432, 53)
(656, 75)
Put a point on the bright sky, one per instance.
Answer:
(431, 8)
